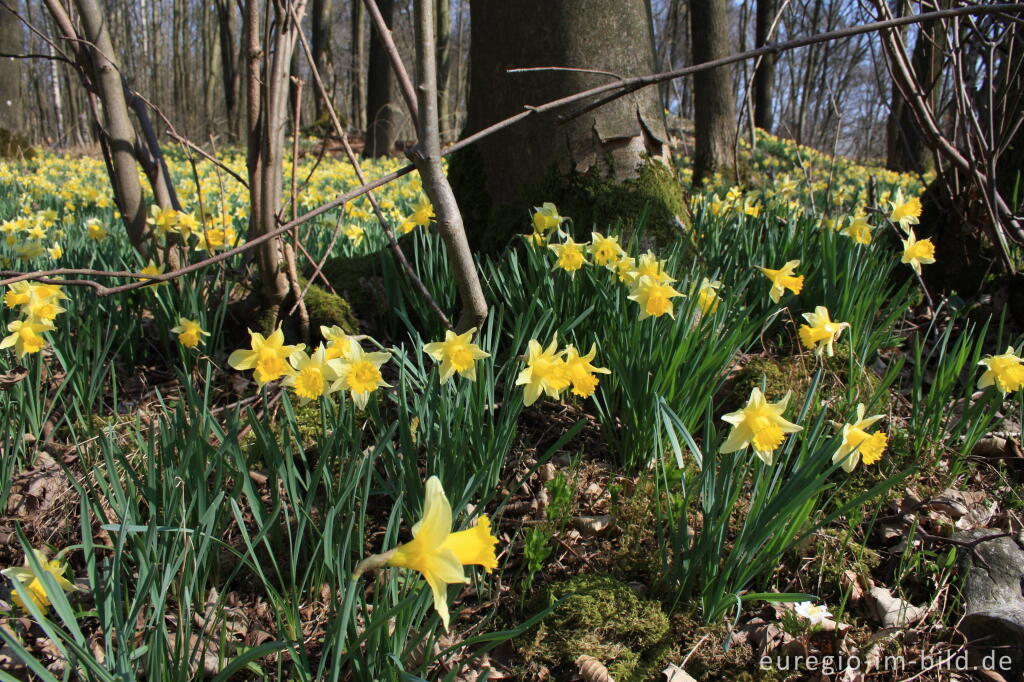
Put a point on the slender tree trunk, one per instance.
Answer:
(10, 69)
(116, 124)
(444, 36)
(322, 53)
(357, 57)
(381, 116)
(228, 66)
(764, 75)
(714, 119)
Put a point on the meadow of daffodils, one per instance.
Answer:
(688, 408)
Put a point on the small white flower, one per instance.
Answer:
(815, 615)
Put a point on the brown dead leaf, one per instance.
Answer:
(674, 673)
(588, 526)
(10, 378)
(892, 611)
(592, 670)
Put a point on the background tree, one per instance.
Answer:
(583, 163)
(381, 116)
(764, 74)
(906, 148)
(714, 118)
(10, 73)
(323, 55)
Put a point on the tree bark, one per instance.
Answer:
(907, 150)
(381, 116)
(357, 57)
(228, 65)
(116, 124)
(444, 37)
(764, 75)
(322, 54)
(10, 69)
(499, 179)
(714, 119)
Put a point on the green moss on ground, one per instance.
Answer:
(603, 617)
(796, 373)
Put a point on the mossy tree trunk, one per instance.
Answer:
(714, 117)
(540, 159)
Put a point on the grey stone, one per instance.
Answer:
(993, 591)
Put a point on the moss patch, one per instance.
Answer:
(594, 200)
(796, 373)
(604, 618)
(327, 309)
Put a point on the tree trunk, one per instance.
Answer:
(10, 69)
(229, 68)
(357, 57)
(116, 124)
(323, 57)
(381, 117)
(906, 147)
(444, 37)
(582, 163)
(714, 120)
(764, 75)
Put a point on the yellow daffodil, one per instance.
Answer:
(581, 373)
(858, 444)
(355, 234)
(337, 341)
(905, 212)
(760, 424)
(655, 298)
(359, 373)
(163, 220)
(268, 357)
(423, 213)
(782, 279)
(917, 253)
(457, 353)
(94, 230)
(29, 579)
(649, 266)
(26, 336)
(438, 553)
(820, 332)
(1005, 371)
(190, 333)
(55, 251)
(707, 296)
(570, 255)
(859, 230)
(546, 218)
(545, 372)
(624, 268)
(314, 374)
(605, 250)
